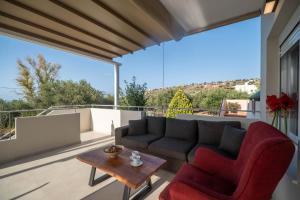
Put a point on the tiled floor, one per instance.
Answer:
(59, 175)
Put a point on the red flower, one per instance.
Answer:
(273, 103)
(286, 102)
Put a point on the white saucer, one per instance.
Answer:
(136, 164)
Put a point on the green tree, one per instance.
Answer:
(108, 99)
(211, 99)
(161, 98)
(25, 81)
(14, 105)
(180, 104)
(35, 80)
(134, 94)
(70, 93)
(42, 89)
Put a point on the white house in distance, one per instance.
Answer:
(246, 88)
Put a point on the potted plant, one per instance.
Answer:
(280, 106)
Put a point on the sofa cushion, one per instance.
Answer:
(140, 141)
(210, 132)
(232, 139)
(137, 127)
(156, 125)
(171, 147)
(181, 129)
(192, 153)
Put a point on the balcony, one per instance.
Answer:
(37, 153)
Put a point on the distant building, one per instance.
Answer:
(246, 88)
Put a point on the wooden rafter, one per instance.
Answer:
(96, 22)
(126, 21)
(55, 32)
(59, 21)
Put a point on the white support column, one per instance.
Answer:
(116, 84)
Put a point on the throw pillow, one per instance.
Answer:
(181, 129)
(232, 139)
(156, 125)
(210, 132)
(137, 127)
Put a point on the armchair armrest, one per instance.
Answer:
(214, 163)
(119, 133)
(181, 191)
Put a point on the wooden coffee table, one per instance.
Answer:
(120, 168)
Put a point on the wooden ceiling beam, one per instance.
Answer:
(96, 22)
(53, 41)
(23, 21)
(59, 21)
(161, 15)
(126, 21)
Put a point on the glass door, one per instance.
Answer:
(289, 84)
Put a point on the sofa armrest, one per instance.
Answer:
(181, 191)
(119, 133)
(214, 163)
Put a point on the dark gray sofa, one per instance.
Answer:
(173, 139)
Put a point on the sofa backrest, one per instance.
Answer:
(245, 123)
(156, 125)
(210, 132)
(181, 129)
(264, 157)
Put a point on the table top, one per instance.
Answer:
(120, 167)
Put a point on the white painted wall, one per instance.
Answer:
(104, 120)
(42, 133)
(127, 115)
(85, 117)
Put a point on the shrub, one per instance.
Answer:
(233, 107)
(180, 104)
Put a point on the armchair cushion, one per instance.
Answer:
(156, 125)
(171, 147)
(193, 179)
(231, 140)
(192, 153)
(137, 127)
(176, 193)
(214, 163)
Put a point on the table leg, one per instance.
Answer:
(144, 191)
(94, 181)
(126, 193)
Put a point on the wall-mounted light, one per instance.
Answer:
(270, 6)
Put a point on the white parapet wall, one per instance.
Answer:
(85, 117)
(41, 133)
(105, 120)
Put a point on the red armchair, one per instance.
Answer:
(263, 159)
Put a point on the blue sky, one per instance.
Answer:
(226, 53)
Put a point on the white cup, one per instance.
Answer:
(135, 153)
(135, 157)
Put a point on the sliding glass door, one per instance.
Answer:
(289, 84)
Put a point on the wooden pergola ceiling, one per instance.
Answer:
(106, 29)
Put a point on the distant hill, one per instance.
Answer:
(193, 88)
